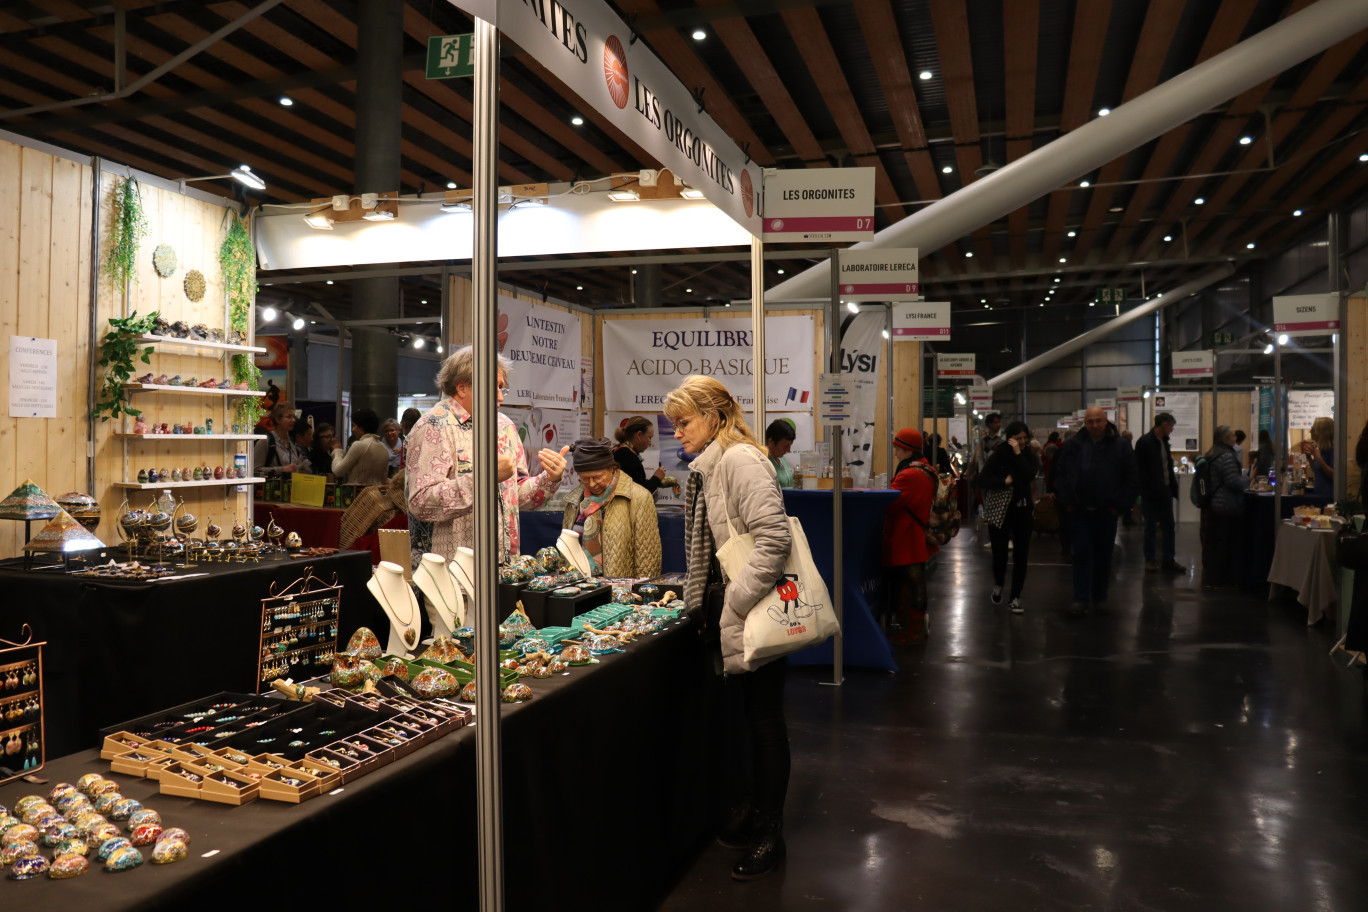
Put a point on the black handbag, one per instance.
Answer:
(1352, 548)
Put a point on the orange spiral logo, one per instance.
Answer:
(615, 70)
(748, 194)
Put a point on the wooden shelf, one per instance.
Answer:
(135, 486)
(166, 388)
(203, 348)
(179, 437)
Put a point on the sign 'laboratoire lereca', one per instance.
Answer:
(867, 274)
(645, 359)
(586, 46)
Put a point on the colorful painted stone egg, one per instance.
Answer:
(541, 671)
(110, 846)
(146, 834)
(365, 643)
(103, 787)
(175, 833)
(516, 693)
(106, 802)
(511, 575)
(558, 666)
(85, 782)
(124, 808)
(509, 664)
(71, 847)
(372, 670)
(56, 835)
(434, 682)
(167, 851)
(17, 849)
(124, 859)
(24, 806)
(445, 650)
(20, 832)
(98, 834)
(65, 867)
(551, 560)
(60, 790)
(293, 541)
(72, 805)
(28, 867)
(87, 821)
(143, 815)
(347, 671)
(50, 819)
(576, 654)
(468, 692)
(397, 667)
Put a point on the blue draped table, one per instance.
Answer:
(862, 516)
(541, 527)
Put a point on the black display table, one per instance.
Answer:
(121, 649)
(611, 784)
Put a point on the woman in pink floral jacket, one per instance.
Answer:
(440, 478)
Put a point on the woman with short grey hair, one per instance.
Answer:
(460, 368)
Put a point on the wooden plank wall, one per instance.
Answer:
(194, 229)
(45, 213)
(1356, 365)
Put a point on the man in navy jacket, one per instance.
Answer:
(1095, 481)
(1158, 490)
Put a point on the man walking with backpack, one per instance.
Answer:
(1094, 482)
(1158, 489)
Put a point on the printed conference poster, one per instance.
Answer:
(544, 346)
(645, 359)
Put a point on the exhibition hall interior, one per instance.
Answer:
(639, 454)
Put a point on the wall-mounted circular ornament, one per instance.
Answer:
(194, 285)
(164, 260)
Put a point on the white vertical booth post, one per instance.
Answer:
(1340, 386)
(889, 430)
(758, 331)
(834, 431)
(484, 275)
(1279, 437)
(935, 394)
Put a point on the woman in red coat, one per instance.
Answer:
(905, 548)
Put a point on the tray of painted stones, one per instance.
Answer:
(76, 826)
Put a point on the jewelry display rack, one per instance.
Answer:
(22, 745)
(298, 630)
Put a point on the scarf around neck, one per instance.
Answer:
(589, 523)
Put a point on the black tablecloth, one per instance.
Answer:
(611, 783)
(117, 650)
(1261, 532)
(540, 528)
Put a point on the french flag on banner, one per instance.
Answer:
(793, 394)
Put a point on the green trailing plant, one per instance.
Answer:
(237, 261)
(125, 234)
(119, 349)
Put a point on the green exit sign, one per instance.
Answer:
(451, 56)
(1222, 338)
(1111, 296)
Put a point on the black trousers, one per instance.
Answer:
(757, 750)
(1016, 528)
(1220, 537)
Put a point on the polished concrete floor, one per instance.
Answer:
(1189, 749)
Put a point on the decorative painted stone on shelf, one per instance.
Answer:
(85, 782)
(71, 805)
(293, 542)
(444, 649)
(218, 472)
(167, 851)
(101, 832)
(434, 682)
(566, 592)
(112, 845)
(175, 833)
(541, 671)
(196, 474)
(48, 818)
(86, 822)
(19, 832)
(146, 834)
(124, 859)
(576, 654)
(105, 803)
(558, 666)
(364, 643)
(71, 847)
(28, 867)
(59, 833)
(552, 561)
(65, 867)
(142, 476)
(16, 849)
(143, 815)
(200, 332)
(176, 475)
(125, 808)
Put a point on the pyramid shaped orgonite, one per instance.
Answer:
(63, 534)
(28, 501)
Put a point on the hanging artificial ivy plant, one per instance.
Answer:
(120, 346)
(125, 234)
(237, 260)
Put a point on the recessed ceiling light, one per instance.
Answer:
(330, 281)
(1063, 259)
(1246, 140)
(986, 307)
(688, 291)
(1092, 303)
(1364, 157)
(577, 120)
(1073, 234)
(1114, 209)
(699, 34)
(1296, 212)
(947, 169)
(1249, 246)
(1199, 201)
(298, 323)
(451, 185)
(969, 254)
(439, 348)
(1042, 303)
(983, 300)
(924, 75)
(286, 100)
(1103, 112)
(268, 314)
(579, 288)
(422, 301)
(1167, 238)
(781, 271)
(1056, 278)
(418, 342)
(1085, 184)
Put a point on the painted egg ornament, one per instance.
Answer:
(147, 834)
(124, 859)
(175, 833)
(85, 782)
(19, 832)
(468, 693)
(99, 834)
(124, 808)
(50, 819)
(28, 867)
(87, 821)
(509, 664)
(398, 668)
(551, 560)
(142, 816)
(576, 654)
(71, 847)
(110, 846)
(169, 850)
(541, 671)
(444, 650)
(56, 835)
(65, 867)
(60, 790)
(293, 541)
(365, 643)
(103, 787)
(558, 666)
(516, 693)
(19, 848)
(434, 682)
(72, 805)
(23, 805)
(106, 802)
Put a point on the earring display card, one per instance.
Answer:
(298, 631)
(22, 748)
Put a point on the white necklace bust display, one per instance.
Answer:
(570, 548)
(445, 603)
(392, 591)
(462, 569)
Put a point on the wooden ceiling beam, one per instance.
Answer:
(1021, 25)
(950, 21)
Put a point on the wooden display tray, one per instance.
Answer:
(273, 788)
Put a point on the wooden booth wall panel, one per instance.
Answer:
(194, 230)
(45, 216)
(1356, 365)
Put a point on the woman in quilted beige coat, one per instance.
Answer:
(615, 516)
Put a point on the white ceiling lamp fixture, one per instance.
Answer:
(297, 324)
(1147, 394)
(330, 281)
(267, 314)
(947, 169)
(439, 348)
(699, 35)
(1085, 184)
(1364, 157)
(969, 254)
(624, 195)
(1056, 278)
(319, 220)
(781, 270)
(1282, 338)
(690, 291)
(577, 120)
(1246, 140)
(286, 101)
(959, 397)
(1268, 349)
(1103, 112)
(1199, 201)
(451, 185)
(1296, 212)
(1168, 238)
(885, 333)
(924, 75)
(1063, 259)
(1249, 246)
(1073, 234)
(244, 175)
(853, 307)
(418, 342)
(691, 193)
(579, 288)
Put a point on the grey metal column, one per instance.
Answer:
(838, 555)
(1279, 437)
(379, 101)
(1342, 460)
(646, 286)
(485, 279)
(1097, 142)
(758, 329)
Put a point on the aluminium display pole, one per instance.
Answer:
(935, 392)
(1341, 391)
(1279, 438)
(888, 389)
(484, 275)
(837, 485)
(758, 332)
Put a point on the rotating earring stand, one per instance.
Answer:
(23, 749)
(298, 630)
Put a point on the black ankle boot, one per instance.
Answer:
(766, 850)
(737, 828)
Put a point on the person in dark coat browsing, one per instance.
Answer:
(1158, 490)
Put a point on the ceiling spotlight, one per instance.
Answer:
(699, 35)
(781, 271)
(330, 281)
(439, 348)
(1092, 303)
(451, 185)
(1268, 349)
(1249, 246)
(969, 254)
(1282, 338)
(688, 291)
(885, 333)
(579, 288)
(1103, 112)
(298, 323)
(1167, 238)
(634, 271)
(924, 75)
(1199, 201)
(1073, 234)
(853, 307)
(947, 169)
(624, 195)
(1042, 303)
(1246, 140)
(1115, 209)
(987, 307)
(243, 175)
(577, 120)
(1056, 278)
(691, 193)
(318, 220)
(1063, 259)
(1085, 184)
(1364, 157)
(419, 342)
(983, 300)
(268, 314)
(286, 100)
(1296, 212)
(1146, 394)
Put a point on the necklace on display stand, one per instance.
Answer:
(445, 605)
(462, 567)
(389, 587)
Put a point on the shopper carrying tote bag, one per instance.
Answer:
(733, 496)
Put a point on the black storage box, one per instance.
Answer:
(560, 610)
